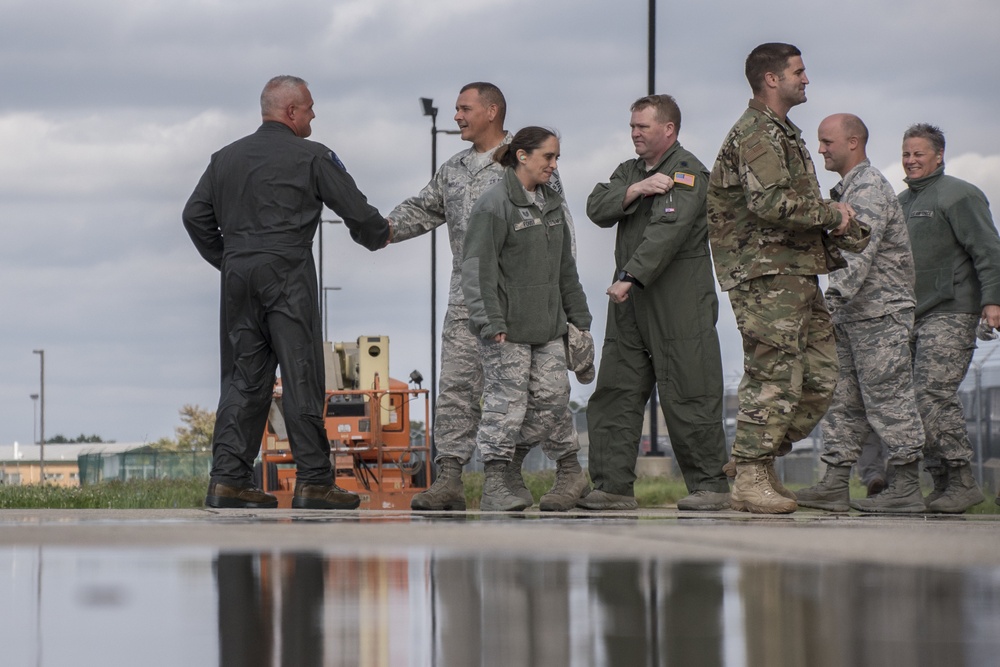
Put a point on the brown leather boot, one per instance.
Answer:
(224, 495)
(323, 497)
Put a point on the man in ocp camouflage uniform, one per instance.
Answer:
(872, 303)
(771, 235)
(448, 199)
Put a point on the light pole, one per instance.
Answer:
(41, 420)
(326, 311)
(430, 110)
(322, 282)
(34, 418)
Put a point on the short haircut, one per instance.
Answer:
(771, 57)
(275, 94)
(527, 139)
(855, 127)
(931, 133)
(490, 94)
(666, 108)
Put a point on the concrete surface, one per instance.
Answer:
(664, 534)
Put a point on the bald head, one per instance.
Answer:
(842, 141)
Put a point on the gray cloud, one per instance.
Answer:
(112, 109)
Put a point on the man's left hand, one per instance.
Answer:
(618, 292)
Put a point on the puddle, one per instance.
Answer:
(148, 607)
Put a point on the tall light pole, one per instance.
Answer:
(326, 311)
(41, 421)
(654, 422)
(429, 109)
(34, 418)
(319, 269)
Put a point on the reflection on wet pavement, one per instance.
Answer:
(193, 607)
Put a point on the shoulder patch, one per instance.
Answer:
(684, 178)
(336, 160)
(755, 151)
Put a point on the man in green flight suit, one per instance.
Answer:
(661, 318)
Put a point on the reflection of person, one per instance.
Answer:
(520, 283)
(872, 305)
(661, 318)
(956, 251)
(253, 216)
(769, 230)
(448, 199)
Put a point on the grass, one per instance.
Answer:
(135, 494)
(190, 493)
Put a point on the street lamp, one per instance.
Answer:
(326, 311)
(41, 421)
(322, 281)
(429, 109)
(34, 418)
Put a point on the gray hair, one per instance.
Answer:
(931, 133)
(275, 95)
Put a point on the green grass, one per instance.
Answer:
(136, 494)
(190, 493)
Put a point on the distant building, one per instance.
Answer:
(21, 464)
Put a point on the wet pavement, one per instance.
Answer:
(654, 587)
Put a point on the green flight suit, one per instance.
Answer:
(665, 331)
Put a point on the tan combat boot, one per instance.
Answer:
(961, 494)
(940, 478)
(730, 469)
(447, 492)
(901, 497)
(496, 496)
(515, 479)
(570, 485)
(831, 494)
(752, 492)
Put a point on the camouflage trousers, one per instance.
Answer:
(942, 345)
(874, 392)
(789, 362)
(460, 389)
(525, 400)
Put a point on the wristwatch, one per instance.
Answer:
(627, 277)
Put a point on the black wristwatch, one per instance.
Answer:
(627, 277)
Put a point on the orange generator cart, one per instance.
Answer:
(367, 417)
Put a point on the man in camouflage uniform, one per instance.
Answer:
(448, 199)
(769, 228)
(872, 303)
(661, 318)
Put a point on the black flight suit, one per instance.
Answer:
(253, 216)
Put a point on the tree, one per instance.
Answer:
(60, 439)
(196, 433)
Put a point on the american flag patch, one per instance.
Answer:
(683, 178)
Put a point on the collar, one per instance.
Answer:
(275, 126)
(837, 191)
(786, 125)
(519, 196)
(475, 161)
(641, 164)
(918, 184)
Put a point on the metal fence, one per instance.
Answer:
(143, 464)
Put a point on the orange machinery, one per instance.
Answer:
(367, 417)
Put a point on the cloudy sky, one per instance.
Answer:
(111, 109)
